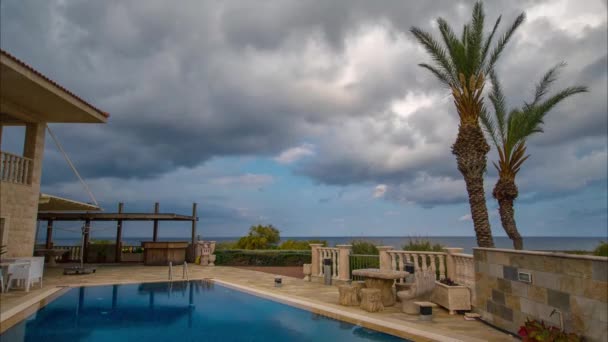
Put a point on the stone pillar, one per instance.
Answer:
(33, 148)
(385, 258)
(449, 261)
(344, 261)
(314, 260)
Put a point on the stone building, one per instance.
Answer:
(30, 99)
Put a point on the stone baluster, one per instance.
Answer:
(344, 261)
(433, 265)
(334, 259)
(441, 267)
(450, 264)
(315, 260)
(385, 258)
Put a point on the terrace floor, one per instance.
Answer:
(322, 299)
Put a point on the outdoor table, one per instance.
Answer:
(383, 280)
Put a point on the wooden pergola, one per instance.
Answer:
(119, 217)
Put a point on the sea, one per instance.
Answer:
(539, 243)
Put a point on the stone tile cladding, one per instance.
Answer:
(577, 286)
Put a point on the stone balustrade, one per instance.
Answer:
(423, 262)
(339, 257)
(14, 168)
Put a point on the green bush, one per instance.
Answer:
(364, 247)
(219, 246)
(422, 245)
(260, 237)
(300, 245)
(262, 258)
(602, 249)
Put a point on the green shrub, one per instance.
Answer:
(219, 246)
(299, 245)
(260, 237)
(422, 245)
(602, 249)
(262, 257)
(364, 247)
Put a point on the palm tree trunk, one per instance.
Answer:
(505, 193)
(470, 150)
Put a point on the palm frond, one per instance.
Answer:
(547, 105)
(436, 51)
(455, 48)
(497, 99)
(443, 77)
(488, 41)
(490, 127)
(503, 42)
(475, 38)
(543, 86)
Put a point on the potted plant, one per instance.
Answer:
(451, 295)
(534, 330)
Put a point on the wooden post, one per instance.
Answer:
(156, 211)
(118, 252)
(87, 235)
(193, 237)
(49, 234)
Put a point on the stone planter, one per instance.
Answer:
(212, 258)
(307, 270)
(451, 297)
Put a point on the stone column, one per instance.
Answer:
(385, 258)
(449, 261)
(344, 261)
(314, 260)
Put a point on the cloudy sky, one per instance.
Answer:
(310, 115)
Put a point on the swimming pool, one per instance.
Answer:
(178, 311)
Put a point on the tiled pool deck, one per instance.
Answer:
(317, 297)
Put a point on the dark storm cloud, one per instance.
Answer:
(195, 80)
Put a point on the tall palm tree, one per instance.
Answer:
(510, 132)
(462, 64)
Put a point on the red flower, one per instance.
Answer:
(522, 332)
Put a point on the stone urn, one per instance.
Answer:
(307, 269)
(212, 260)
(452, 297)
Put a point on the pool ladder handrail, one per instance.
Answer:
(185, 273)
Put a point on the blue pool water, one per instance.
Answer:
(179, 311)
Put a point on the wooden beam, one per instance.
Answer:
(87, 231)
(156, 211)
(49, 234)
(118, 255)
(97, 216)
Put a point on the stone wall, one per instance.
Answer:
(576, 286)
(19, 202)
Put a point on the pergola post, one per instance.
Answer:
(156, 211)
(87, 235)
(118, 252)
(49, 234)
(193, 240)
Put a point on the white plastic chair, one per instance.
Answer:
(27, 270)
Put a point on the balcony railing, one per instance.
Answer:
(14, 168)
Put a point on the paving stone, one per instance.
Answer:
(600, 271)
(558, 299)
(510, 273)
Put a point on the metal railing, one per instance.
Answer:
(360, 261)
(14, 168)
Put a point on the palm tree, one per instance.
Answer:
(462, 64)
(510, 132)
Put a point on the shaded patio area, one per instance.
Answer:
(324, 298)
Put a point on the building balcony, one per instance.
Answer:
(15, 169)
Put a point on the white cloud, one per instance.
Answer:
(291, 155)
(466, 217)
(380, 190)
